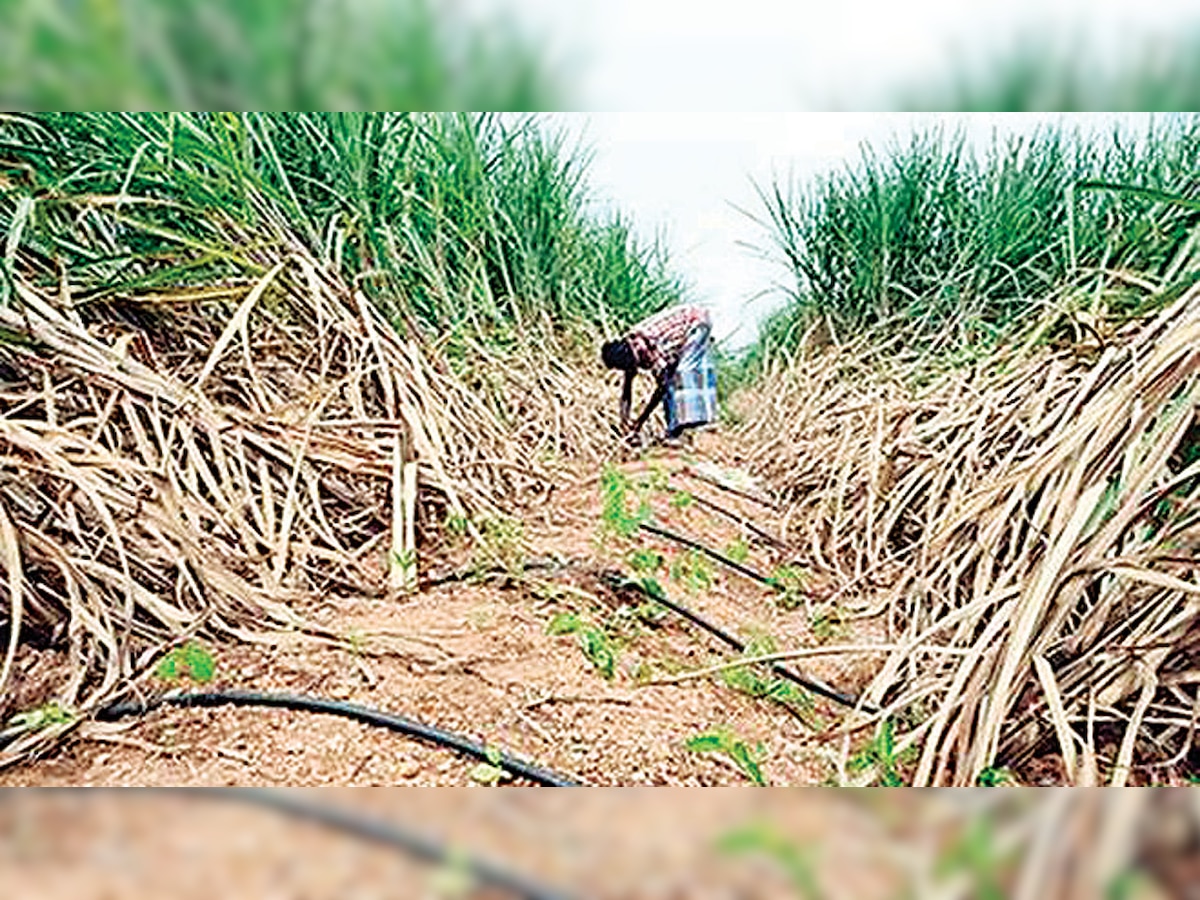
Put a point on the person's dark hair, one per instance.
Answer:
(618, 355)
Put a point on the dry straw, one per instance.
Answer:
(220, 459)
(1037, 515)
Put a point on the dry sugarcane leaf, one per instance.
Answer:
(1058, 714)
(236, 323)
(10, 552)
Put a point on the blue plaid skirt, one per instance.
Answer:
(691, 395)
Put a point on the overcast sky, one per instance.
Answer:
(809, 54)
(685, 171)
(685, 174)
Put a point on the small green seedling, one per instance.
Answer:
(881, 754)
(746, 680)
(681, 500)
(1130, 884)
(749, 682)
(746, 758)
(191, 660)
(1000, 776)
(646, 561)
(828, 624)
(491, 772)
(50, 713)
(403, 559)
(658, 480)
(405, 563)
(452, 879)
(625, 622)
(596, 647)
(356, 642)
(789, 583)
(753, 681)
(564, 623)
(692, 571)
(975, 855)
(738, 551)
(594, 643)
(765, 840)
(652, 611)
(615, 517)
(652, 587)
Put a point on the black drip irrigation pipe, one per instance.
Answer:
(619, 582)
(696, 545)
(758, 532)
(378, 831)
(745, 495)
(469, 572)
(363, 714)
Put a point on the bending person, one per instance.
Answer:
(675, 347)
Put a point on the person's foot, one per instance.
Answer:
(634, 440)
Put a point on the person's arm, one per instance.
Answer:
(626, 400)
(659, 392)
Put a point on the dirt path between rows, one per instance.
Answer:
(476, 658)
(597, 844)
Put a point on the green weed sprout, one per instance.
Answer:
(881, 754)
(490, 772)
(457, 525)
(828, 624)
(191, 660)
(975, 855)
(593, 641)
(44, 716)
(765, 840)
(746, 758)
(692, 571)
(738, 551)
(749, 680)
(646, 561)
(652, 610)
(681, 500)
(789, 583)
(996, 776)
(453, 878)
(615, 517)
(658, 481)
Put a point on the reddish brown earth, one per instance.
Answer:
(624, 843)
(472, 657)
(476, 658)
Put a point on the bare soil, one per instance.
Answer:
(474, 657)
(618, 844)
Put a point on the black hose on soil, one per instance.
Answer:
(377, 830)
(619, 582)
(469, 572)
(363, 714)
(742, 521)
(745, 495)
(696, 545)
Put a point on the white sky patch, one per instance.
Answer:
(816, 54)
